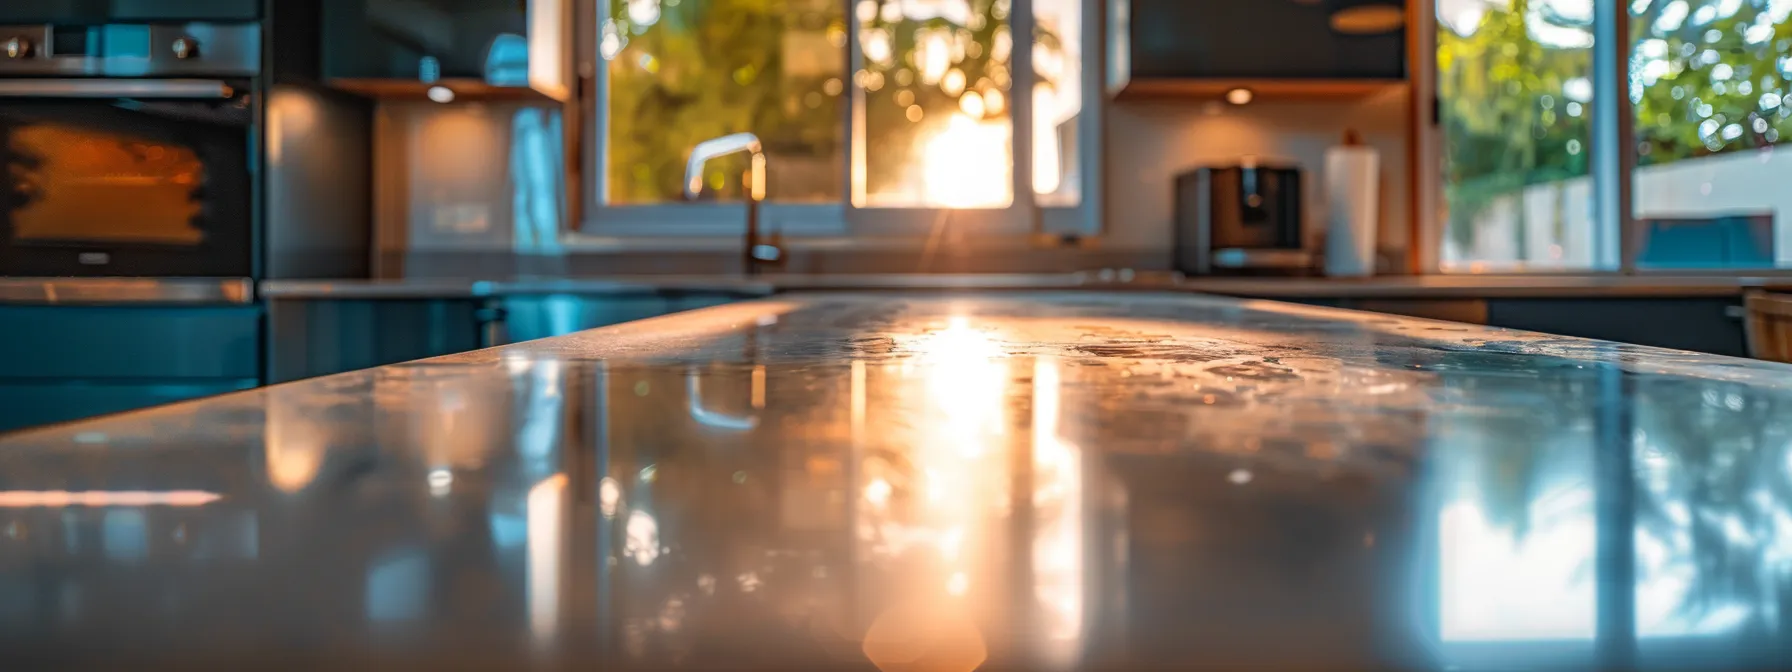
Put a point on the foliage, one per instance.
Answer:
(1510, 120)
(1505, 113)
(1707, 88)
(706, 68)
(979, 56)
(684, 71)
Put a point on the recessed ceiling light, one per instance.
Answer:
(440, 94)
(1240, 96)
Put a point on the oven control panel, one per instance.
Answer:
(130, 50)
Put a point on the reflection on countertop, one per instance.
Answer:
(935, 483)
(1398, 287)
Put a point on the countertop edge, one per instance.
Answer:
(1434, 287)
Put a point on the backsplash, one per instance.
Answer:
(457, 183)
(475, 177)
(1149, 143)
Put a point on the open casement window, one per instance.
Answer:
(878, 117)
(1627, 135)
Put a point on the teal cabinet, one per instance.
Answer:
(60, 363)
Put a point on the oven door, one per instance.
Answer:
(117, 177)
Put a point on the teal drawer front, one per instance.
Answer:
(129, 342)
(28, 404)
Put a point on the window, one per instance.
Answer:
(936, 84)
(1696, 98)
(1708, 81)
(1515, 92)
(876, 115)
(684, 71)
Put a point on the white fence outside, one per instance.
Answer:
(1557, 221)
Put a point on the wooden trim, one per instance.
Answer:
(464, 89)
(1424, 231)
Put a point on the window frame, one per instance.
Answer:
(1023, 216)
(1612, 162)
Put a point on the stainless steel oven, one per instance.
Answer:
(128, 149)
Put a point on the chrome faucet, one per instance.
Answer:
(755, 253)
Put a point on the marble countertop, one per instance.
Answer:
(1389, 287)
(933, 482)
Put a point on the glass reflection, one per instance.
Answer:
(398, 586)
(1516, 532)
(294, 443)
(1515, 540)
(693, 388)
(547, 522)
(1058, 545)
(62, 498)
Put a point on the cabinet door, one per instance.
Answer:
(1696, 324)
(527, 317)
(485, 40)
(317, 338)
(101, 11)
(1269, 39)
(30, 403)
(129, 342)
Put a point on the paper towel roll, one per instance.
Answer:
(1353, 209)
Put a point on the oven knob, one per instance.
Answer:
(186, 47)
(18, 47)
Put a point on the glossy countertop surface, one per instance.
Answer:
(934, 483)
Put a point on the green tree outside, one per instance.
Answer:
(1702, 83)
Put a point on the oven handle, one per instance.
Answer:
(115, 88)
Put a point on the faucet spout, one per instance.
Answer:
(754, 252)
(723, 146)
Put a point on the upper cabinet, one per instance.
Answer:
(448, 48)
(1205, 47)
(125, 11)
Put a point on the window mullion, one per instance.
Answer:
(597, 159)
(854, 111)
(1020, 63)
(1611, 136)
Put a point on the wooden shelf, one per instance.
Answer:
(1263, 89)
(464, 89)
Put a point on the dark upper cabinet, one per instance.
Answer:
(470, 46)
(105, 11)
(1257, 39)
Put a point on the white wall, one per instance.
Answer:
(1148, 143)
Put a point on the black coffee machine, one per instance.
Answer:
(1242, 219)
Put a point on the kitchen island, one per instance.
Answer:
(934, 482)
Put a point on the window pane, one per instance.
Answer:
(936, 87)
(1515, 91)
(1057, 100)
(684, 71)
(1707, 79)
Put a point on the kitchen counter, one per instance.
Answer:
(1041, 480)
(1397, 287)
